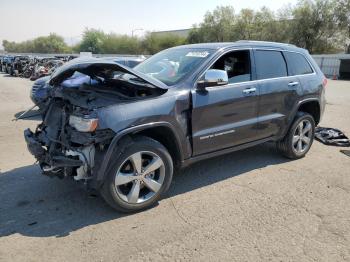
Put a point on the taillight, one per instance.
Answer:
(325, 81)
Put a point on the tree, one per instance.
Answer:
(321, 26)
(244, 27)
(44, 44)
(120, 44)
(216, 27)
(342, 10)
(154, 43)
(267, 27)
(92, 41)
(314, 26)
(49, 44)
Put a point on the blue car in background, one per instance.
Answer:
(6, 63)
(41, 87)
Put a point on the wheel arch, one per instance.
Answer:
(166, 136)
(163, 132)
(311, 107)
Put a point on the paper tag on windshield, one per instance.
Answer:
(198, 54)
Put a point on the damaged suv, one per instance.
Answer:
(124, 131)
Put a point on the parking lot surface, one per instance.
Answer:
(252, 205)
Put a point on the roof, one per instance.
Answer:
(242, 43)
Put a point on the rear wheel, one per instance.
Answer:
(141, 172)
(299, 138)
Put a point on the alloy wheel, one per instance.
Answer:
(140, 177)
(302, 136)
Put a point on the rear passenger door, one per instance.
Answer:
(299, 66)
(278, 92)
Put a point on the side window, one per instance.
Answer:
(297, 64)
(237, 66)
(270, 64)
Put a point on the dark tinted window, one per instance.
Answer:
(297, 64)
(237, 66)
(270, 64)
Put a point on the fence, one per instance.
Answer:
(330, 64)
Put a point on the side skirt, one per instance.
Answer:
(198, 158)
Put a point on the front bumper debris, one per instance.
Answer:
(57, 165)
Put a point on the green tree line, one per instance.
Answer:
(321, 26)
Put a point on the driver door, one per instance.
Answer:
(226, 116)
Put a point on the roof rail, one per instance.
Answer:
(263, 42)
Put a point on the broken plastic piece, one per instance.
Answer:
(332, 137)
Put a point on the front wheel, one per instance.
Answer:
(299, 138)
(139, 174)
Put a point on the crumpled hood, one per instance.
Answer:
(93, 66)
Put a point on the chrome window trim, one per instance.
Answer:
(257, 80)
(254, 81)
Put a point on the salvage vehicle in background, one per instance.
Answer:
(45, 67)
(2, 57)
(14, 64)
(3, 63)
(124, 133)
(8, 64)
(28, 69)
(18, 65)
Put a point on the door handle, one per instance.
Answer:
(291, 84)
(249, 91)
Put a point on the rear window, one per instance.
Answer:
(270, 64)
(297, 64)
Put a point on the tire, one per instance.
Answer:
(27, 74)
(120, 193)
(294, 145)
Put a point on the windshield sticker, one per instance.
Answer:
(198, 54)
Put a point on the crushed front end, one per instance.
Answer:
(85, 102)
(65, 142)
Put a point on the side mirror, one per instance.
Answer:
(213, 77)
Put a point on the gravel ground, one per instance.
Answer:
(251, 205)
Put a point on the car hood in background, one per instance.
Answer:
(92, 67)
(42, 80)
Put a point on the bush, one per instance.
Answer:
(154, 43)
(44, 44)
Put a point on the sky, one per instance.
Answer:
(23, 19)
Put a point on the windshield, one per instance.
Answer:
(173, 65)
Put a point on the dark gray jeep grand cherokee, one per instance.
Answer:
(123, 131)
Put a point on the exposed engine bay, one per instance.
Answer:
(69, 142)
(60, 148)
